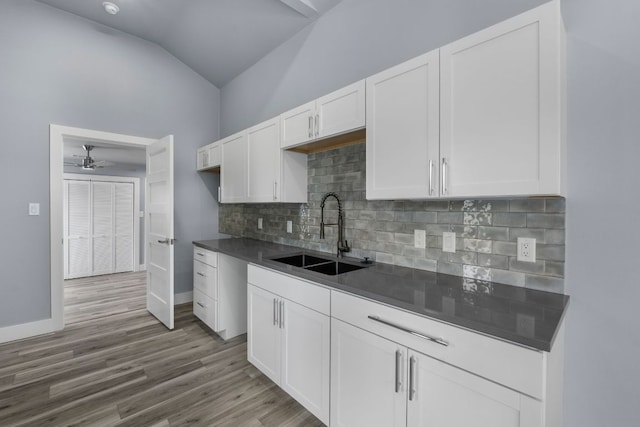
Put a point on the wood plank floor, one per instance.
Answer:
(116, 365)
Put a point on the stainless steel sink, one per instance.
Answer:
(320, 265)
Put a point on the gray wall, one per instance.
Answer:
(360, 37)
(57, 68)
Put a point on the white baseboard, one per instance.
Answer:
(183, 298)
(26, 330)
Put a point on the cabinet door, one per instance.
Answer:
(443, 396)
(403, 130)
(213, 155)
(233, 175)
(263, 146)
(365, 369)
(202, 158)
(341, 111)
(501, 108)
(298, 125)
(305, 357)
(263, 333)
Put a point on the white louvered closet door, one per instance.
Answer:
(102, 216)
(99, 228)
(123, 230)
(77, 229)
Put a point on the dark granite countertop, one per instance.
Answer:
(523, 316)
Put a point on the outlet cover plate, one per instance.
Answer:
(526, 249)
(420, 238)
(259, 223)
(448, 241)
(289, 227)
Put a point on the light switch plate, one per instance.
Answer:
(289, 227)
(448, 241)
(259, 223)
(419, 239)
(34, 208)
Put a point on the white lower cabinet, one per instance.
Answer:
(288, 336)
(219, 292)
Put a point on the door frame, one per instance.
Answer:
(135, 181)
(57, 135)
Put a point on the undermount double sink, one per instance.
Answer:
(320, 265)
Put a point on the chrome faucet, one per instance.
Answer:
(341, 246)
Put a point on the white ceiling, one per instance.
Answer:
(218, 39)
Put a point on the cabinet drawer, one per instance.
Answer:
(511, 365)
(206, 309)
(203, 255)
(297, 290)
(205, 279)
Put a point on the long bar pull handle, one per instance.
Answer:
(410, 331)
(275, 190)
(398, 373)
(444, 176)
(200, 274)
(310, 126)
(317, 124)
(199, 254)
(431, 177)
(219, 194)
(275, 316)
(412, 380)
(281, 314)
(201, 305)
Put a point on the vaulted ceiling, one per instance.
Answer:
(218, 39)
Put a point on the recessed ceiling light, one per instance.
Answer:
(110, 8)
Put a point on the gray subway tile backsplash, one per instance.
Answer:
(486, 230)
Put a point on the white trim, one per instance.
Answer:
(143, 267)
(57, 136)
(136, 204)
(183, 298)
(26, 330)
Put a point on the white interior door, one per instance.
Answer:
(159, 236)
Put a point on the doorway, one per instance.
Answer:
(59, 135)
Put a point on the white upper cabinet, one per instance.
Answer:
(233, 176)
(209, 157)
(480, 117)
(263, 146)
(502, 108)
(339, 112)
(403, 130)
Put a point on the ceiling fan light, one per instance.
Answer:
(110, 8)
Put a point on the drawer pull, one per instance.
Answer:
(200, 274)
(199, 253)
(410, 331)
(398, 373)
(201, 305)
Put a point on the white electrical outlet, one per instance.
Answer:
(419, 239)
(289, 227)
(34, 208)
(259, 223)
(448, 241)
(526, 249)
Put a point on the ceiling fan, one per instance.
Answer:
(87, 161)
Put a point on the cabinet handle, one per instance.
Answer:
(317, 124)
(412, 381)
(275, 190)
(199, 254)
(281, 314)
(410, 331)
(275, 316)
(200, 304)
(200, 274)
(398, 362)
(431, 177)
(219, 194)
(444, 176)
(310, 126)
